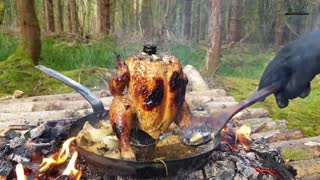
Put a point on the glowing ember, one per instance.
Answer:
(268, 171)
(57, 159)
(20, 172)
(243, 134)
(71, 170)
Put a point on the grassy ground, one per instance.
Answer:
(240, 70)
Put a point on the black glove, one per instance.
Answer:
(295, 65)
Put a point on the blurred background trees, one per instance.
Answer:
(257, 22)
(229, 41)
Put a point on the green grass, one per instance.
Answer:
(298, 154)
(65, 55)
(70, 55)
(18, 73)
(8, 45)
(245, 62)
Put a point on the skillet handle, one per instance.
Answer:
(95, 102)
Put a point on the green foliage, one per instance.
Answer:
(245, 63)
(8, 45)
(89, 77)
(18, 72)
(66, 55)
(188, 54)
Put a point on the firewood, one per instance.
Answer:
(200, 100)
(251, 113)
(42, 115)
(56, 97)
(49, 105)
(210, 92)
(219, 105)
(195, 79)
(306, 168)
(299, 143)
(258, 129)
(270, 124)
(22, 118)
(276, 136)
(286, 135)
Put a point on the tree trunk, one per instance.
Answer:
(49, 16)
(73, 13)
(213, 54)
(196, 22)
(235, 21)
(113, 8)
(2, 7)
(60, 27)
(103, 14)
(137, 15)
(318, 17)
(124, 19)
(30, 30)
(147, 20)
(279, 23)
(187, 19)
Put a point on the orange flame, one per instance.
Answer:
(20, 172)
(243, 134)
(71, 170)
(57, 159)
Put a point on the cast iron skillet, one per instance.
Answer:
(117, 167)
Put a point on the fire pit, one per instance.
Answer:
(48, 151)
(50, 154)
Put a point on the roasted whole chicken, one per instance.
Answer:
(155, 96)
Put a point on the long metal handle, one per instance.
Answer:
(95, 102)
(261, 94)
(218, 121)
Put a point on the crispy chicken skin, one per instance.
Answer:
(155, 98)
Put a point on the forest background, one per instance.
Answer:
(229, 41)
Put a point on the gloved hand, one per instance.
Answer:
(295, 65)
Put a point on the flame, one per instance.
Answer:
(243, 134)
(20, 172)
(57, 159)
(71, 170)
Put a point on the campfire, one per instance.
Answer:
(50, 154)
